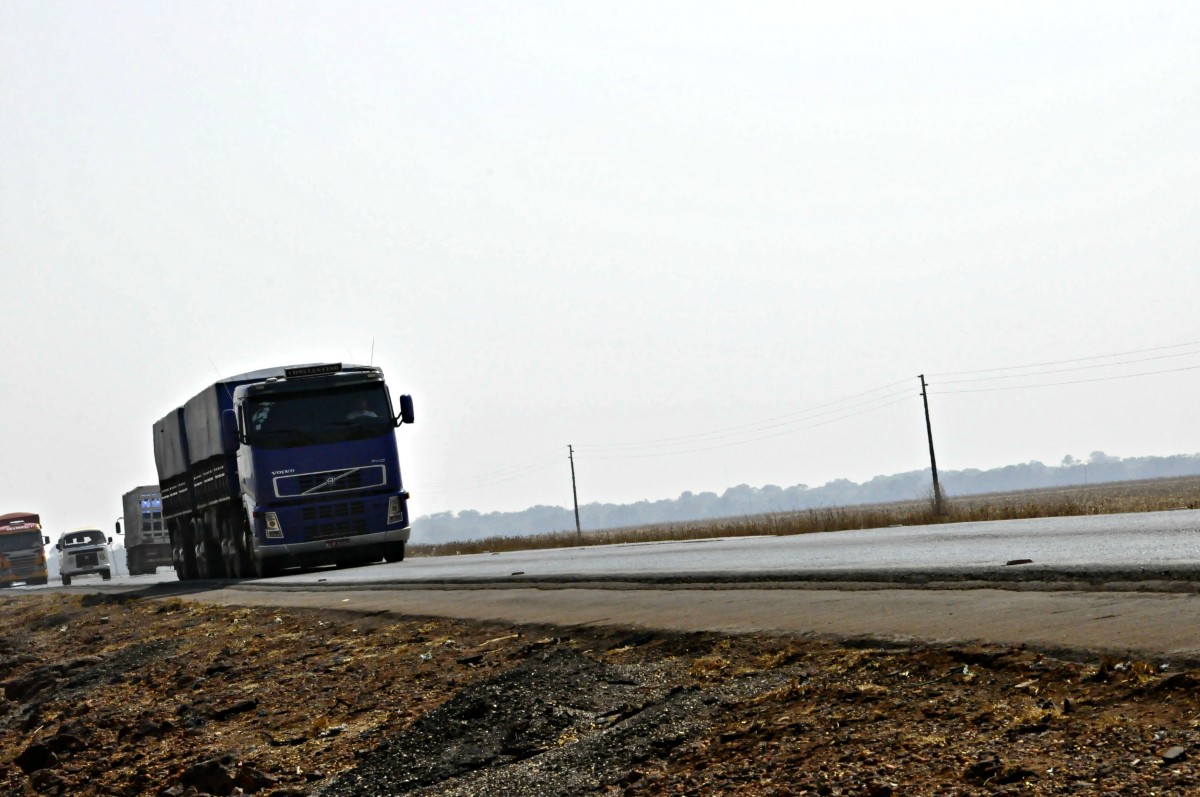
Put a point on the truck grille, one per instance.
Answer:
(85, 560)
(329, 521)
(330, 481)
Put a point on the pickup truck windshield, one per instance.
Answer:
(327, 416)
(20, 541)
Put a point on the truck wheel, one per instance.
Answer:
(106, 574)
(66, 581)
(259, 566)
(204, 561)
(39, 582)
(182, 551)
(231, 550)
(394, 552)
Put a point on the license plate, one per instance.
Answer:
(341, 542)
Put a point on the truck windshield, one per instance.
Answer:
(83, 538)
(327, 416)
(20, 541)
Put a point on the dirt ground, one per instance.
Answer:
(107, 695)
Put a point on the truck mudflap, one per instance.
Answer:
(271, 550)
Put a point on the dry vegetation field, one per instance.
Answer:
(1151, 495)
(117, 696)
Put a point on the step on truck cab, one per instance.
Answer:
(22, 551)
(83, 552)
(284, 467)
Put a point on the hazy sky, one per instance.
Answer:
(663, 224)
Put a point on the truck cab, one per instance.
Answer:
(317, 466)
(83, 552)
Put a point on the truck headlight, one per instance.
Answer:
(274, 530)
(395, 510)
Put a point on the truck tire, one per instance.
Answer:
(39, 582)
(394, 552)
(182, 553)
(231, 550)
(209, 563)
(259, 566)
(66, 581)
(106, 574)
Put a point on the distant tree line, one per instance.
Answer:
(745, 500)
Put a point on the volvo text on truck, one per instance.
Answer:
(147, 544)
(289, 466)
(22, 555)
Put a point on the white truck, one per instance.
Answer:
(83, 552)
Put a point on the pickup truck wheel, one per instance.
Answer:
(106, 574)
(66, 581)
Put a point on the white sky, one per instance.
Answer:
(598, 223)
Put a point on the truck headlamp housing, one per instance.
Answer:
(395, 510)
(274, 530)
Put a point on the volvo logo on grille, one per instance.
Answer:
(330, 481)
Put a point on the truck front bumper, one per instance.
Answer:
(273, 549)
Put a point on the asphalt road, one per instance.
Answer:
(1126, 585)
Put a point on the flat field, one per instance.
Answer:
(1151, 495)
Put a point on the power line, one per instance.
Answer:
(1067, 370)
(443, 490)
(1069, 382)
(762, 426)
(547, 458)
(754, 426)
(909, 395)
(1063, 362)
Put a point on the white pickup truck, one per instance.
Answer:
(84, 551)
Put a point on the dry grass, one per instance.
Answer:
(1098, 499)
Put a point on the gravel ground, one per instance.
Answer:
(111, 696)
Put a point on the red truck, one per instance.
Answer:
(22, 555)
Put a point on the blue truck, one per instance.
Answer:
(284, 467)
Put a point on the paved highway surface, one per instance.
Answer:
(1132, 579)
(1138, 546)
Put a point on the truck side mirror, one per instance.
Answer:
(58, 545)
(406, 410)
(230, 434)
(110, 540)
(118, 527)
(45, 540)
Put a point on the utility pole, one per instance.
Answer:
(937, 488)
(574, 492)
